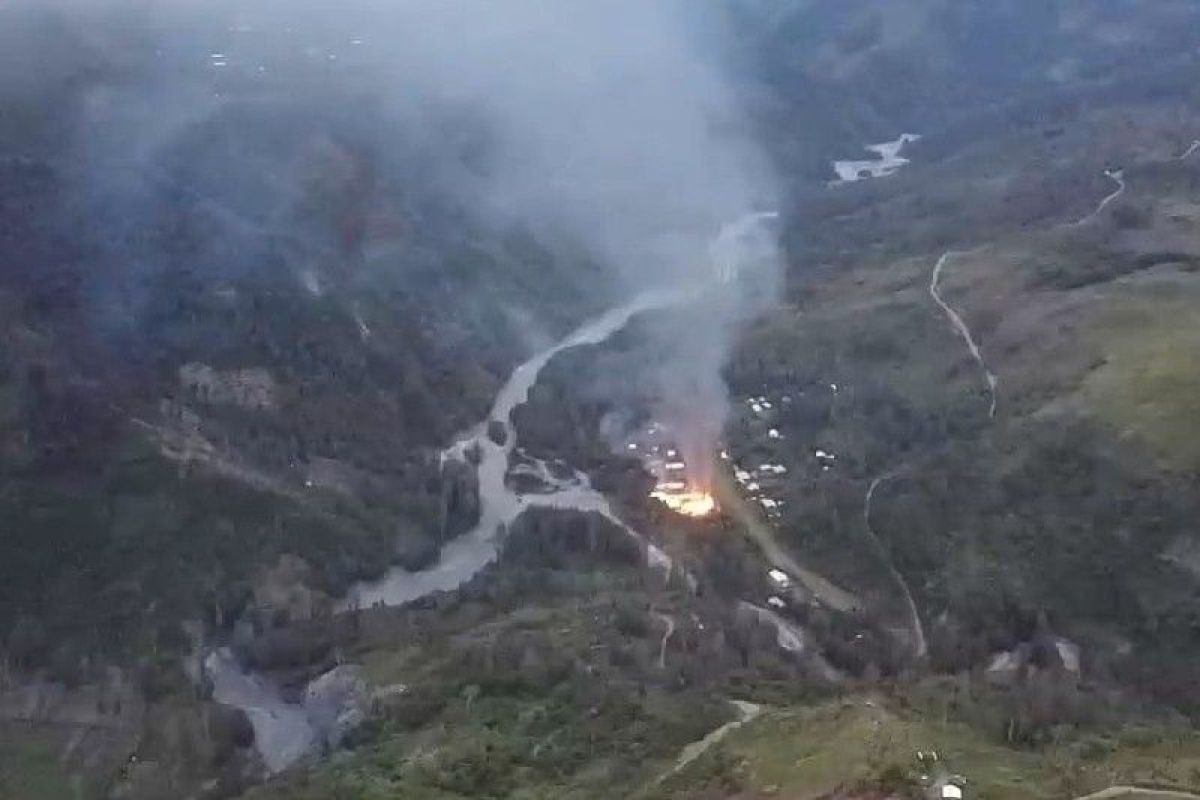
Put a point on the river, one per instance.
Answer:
(465, 556)
(284, 732)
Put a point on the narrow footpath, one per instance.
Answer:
(920, 645)
(993, 383)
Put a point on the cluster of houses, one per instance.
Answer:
(763, 482)
(673, 485)
(660, 456)
(760, 483)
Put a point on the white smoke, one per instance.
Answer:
(611, 127)
(614, 125)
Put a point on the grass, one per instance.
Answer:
(511, 746)
(811, 752)
(855, 742)
(29, 770)
(552, 695)
(1149, 386)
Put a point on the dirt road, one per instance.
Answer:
(920, 646)
(993, 382)
(762, 534)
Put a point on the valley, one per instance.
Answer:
(338, 481)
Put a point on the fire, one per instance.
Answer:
(678, 484)
(690, 503)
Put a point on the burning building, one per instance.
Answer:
(678, 484)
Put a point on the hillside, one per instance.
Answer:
(247, 316)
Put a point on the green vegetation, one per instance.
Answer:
(30, 770)
(194, 545)
(867, 741)
(540, 682)
(1148, 389)
(292, 239)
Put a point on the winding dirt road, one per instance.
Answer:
(1118, 177)
(992, 381)
(747, 712)
(920, 645)
(1193, 147)
(763, 535)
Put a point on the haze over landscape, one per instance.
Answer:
(571, 399)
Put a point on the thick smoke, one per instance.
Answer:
(613, 125)
(610, 128)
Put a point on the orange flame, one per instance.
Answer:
(690, 503)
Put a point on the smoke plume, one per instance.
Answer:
(615, 126)
(609, 128)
